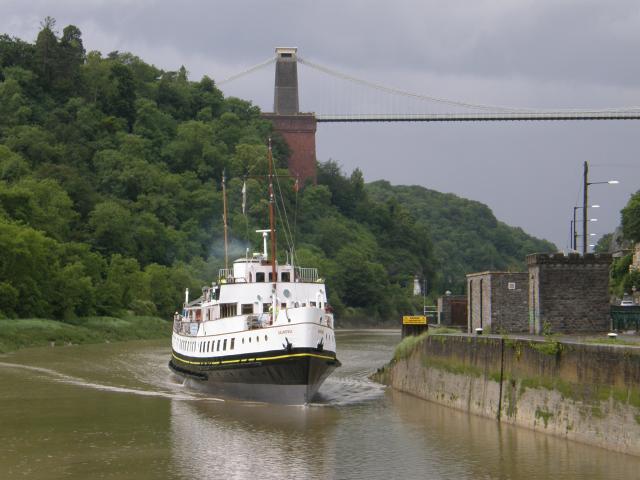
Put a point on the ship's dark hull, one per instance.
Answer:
(291, 377)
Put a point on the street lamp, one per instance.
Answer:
(585, 191)
(574, 226)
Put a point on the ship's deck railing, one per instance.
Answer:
(307, 274)
(225, 274)
(253, 322)
(185, 328)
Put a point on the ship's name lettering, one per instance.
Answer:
(282, 332)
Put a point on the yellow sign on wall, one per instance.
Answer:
(414, 320)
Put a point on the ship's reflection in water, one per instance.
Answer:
(234, 440)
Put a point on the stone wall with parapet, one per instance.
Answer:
(569, 293)
(587, 393)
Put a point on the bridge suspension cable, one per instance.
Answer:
(625, 112)
(249, 70)
(475, 111)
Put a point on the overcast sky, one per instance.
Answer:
(526, 53)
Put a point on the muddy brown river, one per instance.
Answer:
(115, 411)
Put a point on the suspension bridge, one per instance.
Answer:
(367, 101)
(425, 104)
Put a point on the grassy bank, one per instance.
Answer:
(37, 332)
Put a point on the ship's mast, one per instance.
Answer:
(272, 217)
(224, 221)
(274, 272)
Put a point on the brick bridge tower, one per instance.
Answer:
(298, 129)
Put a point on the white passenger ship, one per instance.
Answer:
(263, 331)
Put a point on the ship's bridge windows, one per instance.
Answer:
(312, 304)
(283, 305)
(285, 277)
(247, 308)
(271, 276)
(224, 345)
(266, 307)
(233, 342)
(218, 346)
(228, 309)
(259, 276)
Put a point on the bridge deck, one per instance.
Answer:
(481, 117)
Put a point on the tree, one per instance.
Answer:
(71, 56)
(631, 218)
(46, 52)
(110, 225)
(121, 100)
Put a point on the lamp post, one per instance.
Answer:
(585, 196)
(574, 226)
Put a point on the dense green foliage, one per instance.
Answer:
(631, 219)
(623, 280)
(110, 196)
(109, 178)
(466, 235)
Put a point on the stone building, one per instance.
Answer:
(635, 264)
(497, 302)
(568, 294)
(452, 311)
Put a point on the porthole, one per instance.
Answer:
(265, 338)
(249, 339)
(257, 338)
(243, 340)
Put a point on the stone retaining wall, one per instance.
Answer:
(583, 392)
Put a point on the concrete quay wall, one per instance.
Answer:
(583, 392)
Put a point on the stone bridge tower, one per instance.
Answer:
(298, 129)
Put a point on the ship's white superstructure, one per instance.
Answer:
(262, 331)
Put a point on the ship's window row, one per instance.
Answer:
(261, 277)
(220, 344)
(233, 309)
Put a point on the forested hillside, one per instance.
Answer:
(110, 179)
(110, 196)
(466, 235)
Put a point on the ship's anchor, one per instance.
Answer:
(320, 345)
(287, 346)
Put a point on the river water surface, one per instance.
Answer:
(115, 411)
